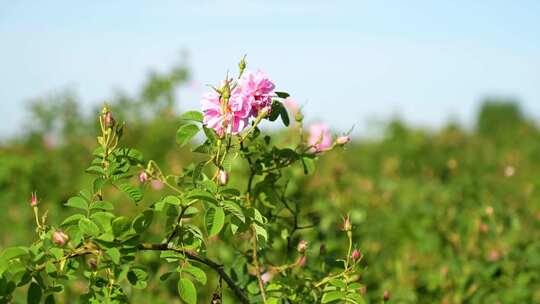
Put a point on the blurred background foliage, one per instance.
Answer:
(441, 216)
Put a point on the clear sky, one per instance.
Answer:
(347, 62)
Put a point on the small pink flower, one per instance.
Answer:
(291, 105)
(301, 261)
(342, 140)
(355, 255)
(231, 118)
(347, 224)
(33, 200)
(319, 138)
(143, 177)
(258, 88)
(266, 277)
(108, 119)
(302, 246)
(156, 184)
(386, 295)
(60, 238)
(223, 177)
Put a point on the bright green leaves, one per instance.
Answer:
(214, 219)
(77, 202)
(101, 205)
(13, 252)
(187, 291)
(143, 221)
(138, 277)
(88, 227)
(333, 295)
(233, 208)
(121, 226)
(185, 133)
(133, 192)
(278, 109)
(34, 294)
(197, 273)
(192, 115)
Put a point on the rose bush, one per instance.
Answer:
(206, 203)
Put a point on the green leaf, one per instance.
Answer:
(103, 205)
(215, 219)
(77, 202)
(192, 115)
(138, 277)
(333, 296)
(143, 221)
(71, 220)
(14, 252)
(185, 133)
(282, 94)
(284, 116)
(114, 253)
(201, 195)
(196, 272)
(134, 193)
(34, 294)
(234, 209)
(187, 291)
(120, 226)
(260, 231)
(88, 227)
(173, 200)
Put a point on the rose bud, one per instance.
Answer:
(302, 246)
(33, 200)
(347, 224)
(60, 238)
(143, 177)
(355, 255)
(386, 295)
(108, 119)
(342, 140)
(301, 261)
(266, 277)
(223, 177)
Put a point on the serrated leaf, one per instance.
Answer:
(138, 277)
(72, 220)
(215, 219)
(133, 192)
(14, 252)
(77, 202)
(234, 209)
(120, 226)
(34, 294)
(185, 133)
(143, 221)
(114, 254)
(103, 205)
(201, 195)
(196, 272)
(173, 200)
(260, 231)
(333, 296)
(192, 115)
(88, 227)
(187, 291)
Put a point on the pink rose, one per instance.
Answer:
(231, 118)
(258, 88)
(319, 138)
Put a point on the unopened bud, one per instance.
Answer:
(299, 116)
(386, 295)
(347, 224)
(143, 177)
(302, 261)
(302, 246)
(60, 238)
(242, 65)
(33, 200)
(355, 255)
(266, 277)
(223, 177)
(342, 140)
(108, 119)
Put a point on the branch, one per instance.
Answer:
(239, 293)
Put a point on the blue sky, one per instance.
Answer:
(348, 62)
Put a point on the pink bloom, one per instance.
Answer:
(143, 177)
(266, 277)
(60, 238)
(301, 261)
(258, 88)
(156, 184)
(347, 224)
(319, 137)
(231, 118)
(33, 200)
(223, 177)
(343, 139)
(302, 246)
(355, 255)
